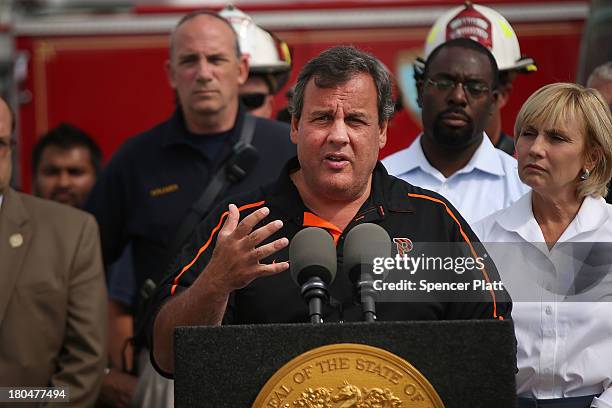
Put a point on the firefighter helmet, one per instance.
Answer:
(268, 55)
(485, 25)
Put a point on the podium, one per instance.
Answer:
(470, 363)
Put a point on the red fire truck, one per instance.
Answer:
(104, 71)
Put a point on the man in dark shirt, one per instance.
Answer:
(149, 185)
(234, 269)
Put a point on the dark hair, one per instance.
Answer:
(470, 45)
(198, 13)
(66, 137)
(337, 66)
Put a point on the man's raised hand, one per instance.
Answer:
(236, 258)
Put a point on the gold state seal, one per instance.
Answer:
(348, 376)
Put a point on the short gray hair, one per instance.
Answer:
(337, 66)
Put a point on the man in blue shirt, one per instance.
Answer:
(453, 156)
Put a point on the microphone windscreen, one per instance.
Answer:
(362, 244)
(312, 253)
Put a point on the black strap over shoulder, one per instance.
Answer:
(236, 167)
(242, 160)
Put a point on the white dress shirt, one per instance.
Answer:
(564, 332)
(487, 183)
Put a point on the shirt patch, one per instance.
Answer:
(163, 190)
(403, 245)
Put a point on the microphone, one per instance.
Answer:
(313, 262)
(363, 243)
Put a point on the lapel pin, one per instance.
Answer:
(16, 240)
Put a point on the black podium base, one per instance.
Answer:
(469, 363)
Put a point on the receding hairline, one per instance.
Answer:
(191, 17)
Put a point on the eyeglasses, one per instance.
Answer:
(253, 100)
(473, 88)
(6, 145)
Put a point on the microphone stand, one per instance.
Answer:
(367, 297)
(315, 293)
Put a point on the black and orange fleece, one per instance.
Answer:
(405, 211)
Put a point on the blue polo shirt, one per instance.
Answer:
(153, 179)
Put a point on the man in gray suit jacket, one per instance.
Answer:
(53, 302)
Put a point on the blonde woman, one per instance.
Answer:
(562, 310)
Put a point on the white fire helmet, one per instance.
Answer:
(267, 53)
(485, 25)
